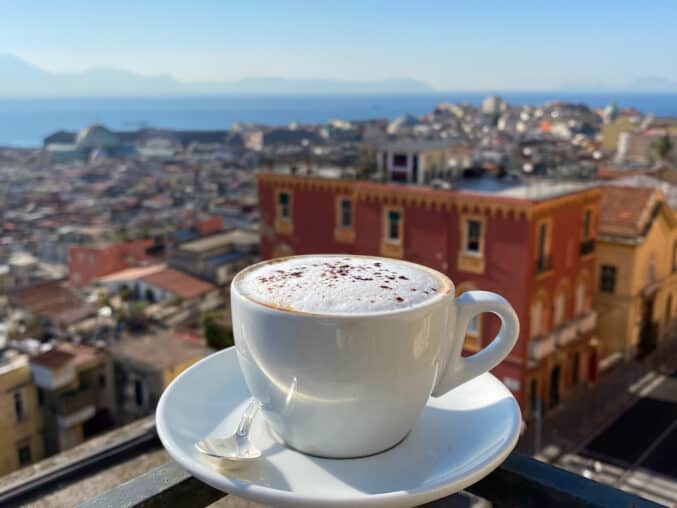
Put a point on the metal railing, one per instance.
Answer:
(519, 481)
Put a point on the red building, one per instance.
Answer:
(85, 264)
(532, 244)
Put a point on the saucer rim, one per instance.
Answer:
(272, 496)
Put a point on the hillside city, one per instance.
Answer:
(117, 249)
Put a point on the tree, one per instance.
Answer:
(217, 335)
(125, 293)
(663, 146)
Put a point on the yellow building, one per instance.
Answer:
(20, 414)
(636, 270)
(145, 365)
(76, 383)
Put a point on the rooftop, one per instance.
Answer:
(53, 359)
(519, 189)
(417, 145)
(226, 258)
(625, 210)
(133, 273)
(10, 360)
(485, 186)
(234, 237)
(160, 350)
(178, 283)
(53, 300)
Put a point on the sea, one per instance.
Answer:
(25, 122)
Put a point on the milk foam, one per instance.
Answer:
(340, 284)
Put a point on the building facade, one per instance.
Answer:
(215, 258)
(145, 365)
(422, 161)
(86, 264)
(538, 252)
(637, 270)
(76, 388)
(21, 441)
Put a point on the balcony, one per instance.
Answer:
(541, 347)
(587, 323)
(75, 407)
(567, 333)
(587, 247)
(519, 481)
(543, 264)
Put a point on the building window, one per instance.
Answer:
(19, 413)
(536, 321)
(542, 258)
(533, 392)
(400, 160)
(138, 393)
(587, 220)
(283, 206)
(607, 279)
(473, 236)
(393, 226)
(346, 210)
(674, 256)
(580, 298)
(41, 397)
(560, 308)
(575, 368)
(24, 453)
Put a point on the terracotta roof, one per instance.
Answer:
(160, 350)
(53, 359)
(624, 211)
(178, 283)
(52, 300)
(133, 273)
(84, 356)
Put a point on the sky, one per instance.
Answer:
(452, 44)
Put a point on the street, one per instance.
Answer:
(637, 451)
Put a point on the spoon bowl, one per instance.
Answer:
(237, 447)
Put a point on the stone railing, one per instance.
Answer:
(567, 333)
(587, 323)
(541, 347)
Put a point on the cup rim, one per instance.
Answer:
(449, 290)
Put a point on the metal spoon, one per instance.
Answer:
(236, 447)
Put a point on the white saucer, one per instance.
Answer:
(459, 438)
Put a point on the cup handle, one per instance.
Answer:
(459, 369)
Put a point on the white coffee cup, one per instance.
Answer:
(349, 385)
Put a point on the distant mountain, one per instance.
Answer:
(653, 84)
(19, 78)
(643, 84)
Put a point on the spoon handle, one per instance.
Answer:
(248, 417)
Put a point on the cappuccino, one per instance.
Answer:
(340, 284)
